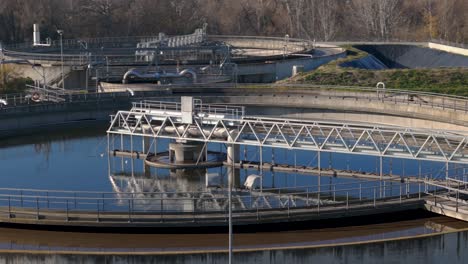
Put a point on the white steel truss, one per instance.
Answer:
(363, 139)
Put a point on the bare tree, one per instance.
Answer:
(372, 19)
(327, 17)
(380, 17)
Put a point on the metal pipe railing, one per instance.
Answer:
(162, 204)
(423, 99)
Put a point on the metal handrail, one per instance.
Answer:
(449, 102)
(216, 109)
(24, 201)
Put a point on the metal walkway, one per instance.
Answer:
(229, 125)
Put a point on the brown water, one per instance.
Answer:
(21, 239)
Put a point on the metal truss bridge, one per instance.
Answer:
(229, 125)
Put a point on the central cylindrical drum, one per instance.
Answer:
(186, 152)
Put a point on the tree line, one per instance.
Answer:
(320, 20)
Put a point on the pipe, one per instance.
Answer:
(194, 131)
(157, 76)
(36, 35)
(186, 72)
(134, 72)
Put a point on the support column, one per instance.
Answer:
(381, 176)
(446, 172)
(319, 166)
(233, 157)
(261, 168)
(121, 149)
(131, 151)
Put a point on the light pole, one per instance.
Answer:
(60, 32)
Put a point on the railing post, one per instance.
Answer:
(37, 208)
(360, 192)
(400, 191)
(194, 208)
(21, 197)
(318, 203)
(67, 219)
(374, 197)
(129, 211)
(307, 196)
(419, 190)
(98, 215)
(334, 193)
(347, 200)
(458, 195)
(9, 206)
(162, 208)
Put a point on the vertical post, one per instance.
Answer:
(419, 190)
(230, 183)
(9, 207)
(97, 203)
(67, 211)
(61, 57)
(374, 196)
(261, 169)
(360, 192)
(273, 156)
(320, 171)
(121, 149)
(347, 200)
(131, 146)
(161, 205)
(334, 192)
(446, 171)
(129, 211)
(318, 203)
(37, 208)
(381, 174)
(400, 191)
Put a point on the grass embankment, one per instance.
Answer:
(11, 80)
(440, 80)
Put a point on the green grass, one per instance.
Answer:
(441, 80)
(15, 85)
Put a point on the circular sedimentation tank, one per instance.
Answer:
(130, 196)
(196, 58)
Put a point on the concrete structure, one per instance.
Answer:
(258, 59)
(78, 106)
(447, 48)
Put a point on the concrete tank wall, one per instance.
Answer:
(410, 56)
(295, 104)
(450, 49)
(277, 70)
(443, 248)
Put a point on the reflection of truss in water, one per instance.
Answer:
(150, 194)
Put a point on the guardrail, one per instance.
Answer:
(187, 206)
(199, 107)
(423, 99)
